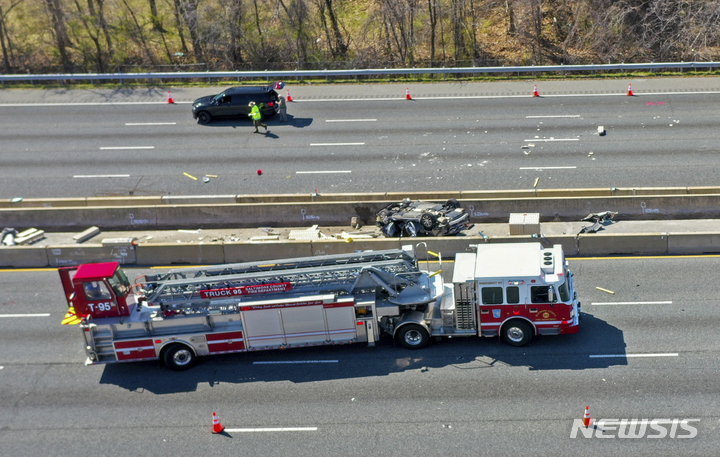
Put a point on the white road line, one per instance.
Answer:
(101, 176)
(548, 140)
(350, 120)
(547, 168)
(294, 361)
(26, 315)
(336, 144)
(150, 123)
(549, 117)
(278, 429)
(632, 303)
(321, 172)
(105, 148)
(667, 354)
(15, 105)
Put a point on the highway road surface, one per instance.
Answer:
(359, 139)
(650, 351)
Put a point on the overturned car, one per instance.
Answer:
(409, 218)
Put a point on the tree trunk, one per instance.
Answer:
(191, 20)
(432, 13)
(61, 37)
(179, 25)
(6, 57)
(155, 18)
(339, 51)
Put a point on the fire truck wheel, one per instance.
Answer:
(517, 333)
(413, 336)
(179, 357)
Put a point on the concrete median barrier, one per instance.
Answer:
(23, 257)
(253, 252)
(67, 255)
(180, 253)
(124, 201)
(599, 244)
(693, 243)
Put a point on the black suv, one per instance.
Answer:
(234, 102)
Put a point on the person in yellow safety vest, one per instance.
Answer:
(256, 116)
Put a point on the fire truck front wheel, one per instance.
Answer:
(413, 336)
(179, 357)
(517, 333)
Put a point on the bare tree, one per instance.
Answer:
(4, 36)
(337, 43)
(297, 16)
(188, 12)
(62, 41)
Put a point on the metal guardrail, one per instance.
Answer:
(364, 72)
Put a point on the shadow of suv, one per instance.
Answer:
(234, 102)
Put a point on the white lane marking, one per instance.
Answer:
(89, 104)
(549, 117)
(667, 354)
(294, 361)
(350, 120)
(632, 303)
(336, 144)
(105, 148)
(150, 123)
(101, 176)
(277, 429)
(547, 168)
(26, 315)
(321, 172)
(548, 140)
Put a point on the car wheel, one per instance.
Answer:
(452, 203)
(427, 220)
(204, 117)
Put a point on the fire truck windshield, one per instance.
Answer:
(119, 282)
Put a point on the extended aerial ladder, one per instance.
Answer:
(393, 272)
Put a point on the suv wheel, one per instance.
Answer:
(204, 117)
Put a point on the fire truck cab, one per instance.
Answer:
(97, 289)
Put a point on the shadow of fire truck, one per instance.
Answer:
(597, 345)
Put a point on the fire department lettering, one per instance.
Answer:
(545, 314)
(246, 290)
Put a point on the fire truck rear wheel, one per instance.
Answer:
(413, 336)
(179, 357)
(517, 333)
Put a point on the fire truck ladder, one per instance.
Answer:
(391, 270)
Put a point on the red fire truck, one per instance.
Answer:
(514, 291)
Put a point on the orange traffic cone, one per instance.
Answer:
(289, 98)
(630, 94)
(407, 94)
(586, 419)
(535, 92)
(170, 100)
(217, 426)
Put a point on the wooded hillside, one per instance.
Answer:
(79, 36)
